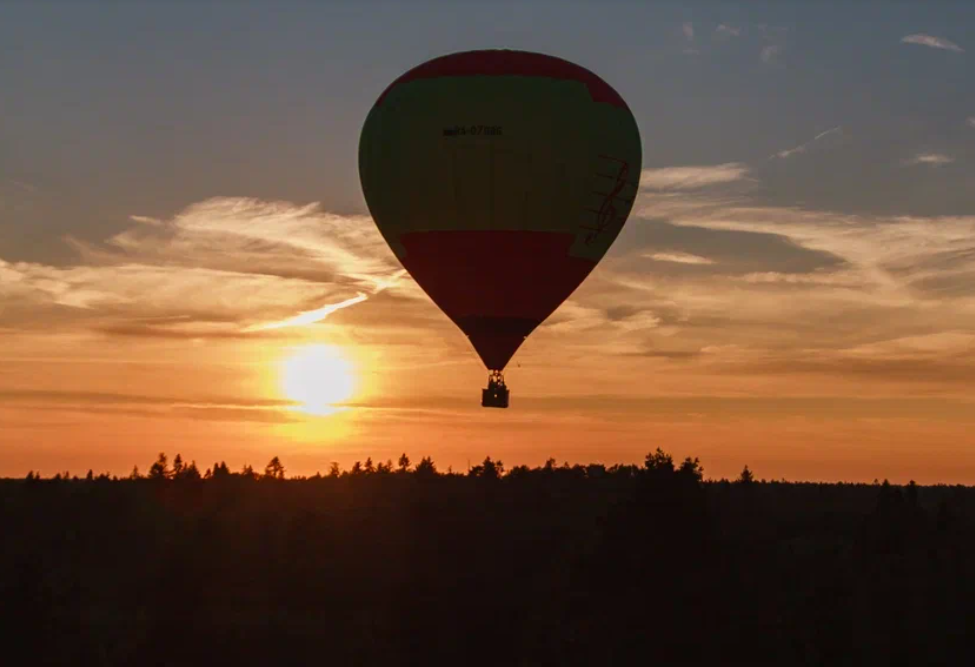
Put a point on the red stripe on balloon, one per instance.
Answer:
(510, 63)
(496, 285)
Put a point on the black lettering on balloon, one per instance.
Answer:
(606, 213)
(473, 130)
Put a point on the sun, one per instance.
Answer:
(317, 377)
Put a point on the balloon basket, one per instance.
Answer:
(496, 394)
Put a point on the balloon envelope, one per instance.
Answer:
(499, 179)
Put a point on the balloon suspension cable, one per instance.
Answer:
(496, 394)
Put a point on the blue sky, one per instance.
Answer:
(113, 109)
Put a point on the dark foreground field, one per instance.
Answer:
(549, 566)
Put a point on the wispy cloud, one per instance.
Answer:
(933, 42)
(219, 267)
(816, 278)
(688, 29)
(146, 220)
(803, 147)
(95, 397)
(706, 282)
(692, 177)
(679, 258)
(774, 38)
(728, 30)
(892, 259)
(867, 282)
(24, 186)
(210, 408)
(310, 316)
(971, 121)
(769, 53)
(932, 159)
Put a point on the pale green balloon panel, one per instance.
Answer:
(499, 153)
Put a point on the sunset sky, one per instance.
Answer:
(795, 289)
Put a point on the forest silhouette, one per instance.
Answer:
(401, 564)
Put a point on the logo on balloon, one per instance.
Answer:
(606, 213)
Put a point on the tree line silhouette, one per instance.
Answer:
(405, 564)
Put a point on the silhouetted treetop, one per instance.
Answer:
(188, 473)
(274, 469)
(692, 469)
(160, 469)
(489, 469)
(659, 462)
(746, 476)
(425, 468)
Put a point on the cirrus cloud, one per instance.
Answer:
(727, 30)
(225, 266)
(932, 159)
(692, 177)
(769, 53)
(679, 258)
(802, 148)
(932, 42)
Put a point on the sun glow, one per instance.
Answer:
(318, 377)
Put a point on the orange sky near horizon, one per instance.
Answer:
(91, 393)
(186, 262)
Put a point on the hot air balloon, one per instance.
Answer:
(499, 179)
